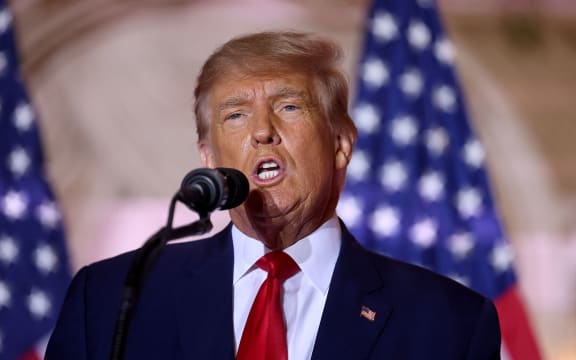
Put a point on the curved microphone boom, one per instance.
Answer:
(205, 190)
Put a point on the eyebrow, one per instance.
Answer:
(287, 92)
(278, 93)
(233, 101)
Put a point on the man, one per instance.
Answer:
(274, 105)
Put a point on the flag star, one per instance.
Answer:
(367, 118)
(431, 186)
(444, 51)
(385, 221)
(460, 245)
(375, 73)
(418, 35)
(14, 205)
(359, 165)
(384, 27)
(444, 98)
(404, 130)
(436, 140)
(411, 82)
(8, 250)
(23, 117)
(393, 175)
(48, 214)
(474, 153)
(501, 257)
(469, 202)
(19, 161)
(423, 233)
(460, 279)
(5, 20)
(39, 304)
(350, 210)
(5, 295)
(45, 259)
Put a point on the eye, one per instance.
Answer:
(290, 108)
(233, 116)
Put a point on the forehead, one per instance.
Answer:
(268, 84)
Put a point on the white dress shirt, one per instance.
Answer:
(304, 293)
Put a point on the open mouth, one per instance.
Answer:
(267, 170)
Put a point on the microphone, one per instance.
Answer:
(205, 190)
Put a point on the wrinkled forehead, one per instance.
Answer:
(279, 82)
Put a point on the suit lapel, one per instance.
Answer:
(355, 284)
(205, 304)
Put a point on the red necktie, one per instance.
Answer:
(264, 336)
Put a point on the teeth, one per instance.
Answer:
(265, 175)
(268, 165)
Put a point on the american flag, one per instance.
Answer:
(34, 270)
(417, 187)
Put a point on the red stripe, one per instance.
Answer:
(30, 355)
(517, 334)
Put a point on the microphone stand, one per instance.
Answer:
(143, 261)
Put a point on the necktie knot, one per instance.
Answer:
(278, 264)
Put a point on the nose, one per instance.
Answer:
(263, 129)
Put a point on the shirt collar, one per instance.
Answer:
(316, 254)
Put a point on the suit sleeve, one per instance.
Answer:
(485, 343)
(68, 340)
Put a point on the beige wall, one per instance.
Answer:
(113, 80)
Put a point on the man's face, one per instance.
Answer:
(271, 128)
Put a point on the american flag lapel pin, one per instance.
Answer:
(368, 313)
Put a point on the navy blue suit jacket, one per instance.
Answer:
(185, 311)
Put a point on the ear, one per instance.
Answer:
(344, 146)
(206, 154)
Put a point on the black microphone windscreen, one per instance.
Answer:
(237, 185)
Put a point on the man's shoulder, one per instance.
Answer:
(172, 256)
(416, 284)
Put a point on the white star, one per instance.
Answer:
(404, 130)
(14, 205)
(431, 186)
(474, 153)
(39, 304)
(436, 140)
(423, 233)
(5, 20)
(393, 175)
(385, 221)
(418, 35)
(367, 118)
(375, 73)
(411, 82)
(501, 257)
(23, 116)
(19, 161)
(350, 210)
(460, 279)
(444, 51)
(444, 98)
(5, 295)
(45, 259)
(384, 26)
(48, 214)
(8, 250)
(469, 202)
(461, 244)
(359, 165)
